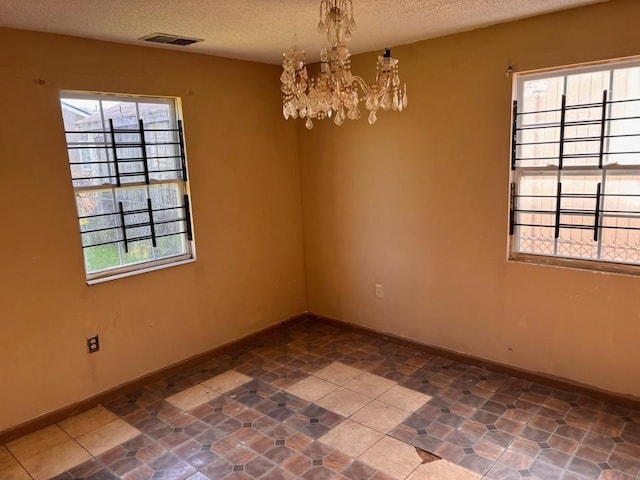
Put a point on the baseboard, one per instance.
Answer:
(628, 401)
(133, 385)
(128, 387)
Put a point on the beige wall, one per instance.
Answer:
(245, 186)
(418, 203)
(384, 204)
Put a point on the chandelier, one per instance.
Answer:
(335, 92)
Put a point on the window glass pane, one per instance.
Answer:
(157, 116)
(124, 115)
(621, 218)
(624, 141)
(578, 207)
(583, 125)
(136, 219)
(76, 114)
(170, 246)
(88, 156)
(585, 88)
(537, 205)
(98, 225)
(102, 257)
(626, 83)
(162, 144)
(170, 225)
(542, 94)
(622, 193)
(621, 239)
(541, 100)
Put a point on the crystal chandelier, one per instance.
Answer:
(335, 92)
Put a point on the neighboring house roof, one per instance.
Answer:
(125, 113)
(77, 110)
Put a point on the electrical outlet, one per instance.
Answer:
(379, 291)
(93, 344)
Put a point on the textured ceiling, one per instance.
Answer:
(261, 30)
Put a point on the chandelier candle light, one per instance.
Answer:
(335, 91)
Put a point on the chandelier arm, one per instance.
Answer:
(362, 84)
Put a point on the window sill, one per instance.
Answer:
(108, 276)
(594, 266)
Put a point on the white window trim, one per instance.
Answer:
(137, 268)
(591, 265)
(149, 267)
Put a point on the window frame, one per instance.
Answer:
(181, 183)
(516, 173)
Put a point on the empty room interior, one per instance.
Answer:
(320, 239)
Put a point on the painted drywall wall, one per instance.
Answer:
(418, 203)
(245, 186)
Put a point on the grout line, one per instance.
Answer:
(18, 463)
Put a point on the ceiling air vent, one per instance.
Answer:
(169, 39)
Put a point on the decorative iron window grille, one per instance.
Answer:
(575, 161)
(129, 175)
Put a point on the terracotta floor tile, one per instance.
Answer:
(86, 421)
(381, 476)
(358, 471)
(392, 457)
(614, 475)
(338, 373)
(298, 442)
(343, 402)
(192, 397)
(56, 460)
(404, 398)
(258, 467)
(297, 464)
(369, 385)
(227, 381)
(14, 472)
(351, 438)
(108, 436)
(6, 459)
(442, 470)
(380, 416)
(311, 388)
(198, 476)
(279, 473)
(337, 461)
(38, 442)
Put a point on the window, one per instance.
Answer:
(575, 192)
(129, 176)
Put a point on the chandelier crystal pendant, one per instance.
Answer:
(335, 92)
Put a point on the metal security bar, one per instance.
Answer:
(597, 213)
(120, 165)
(570, 218)
(125, 221)
(126, 227)
(519, 126)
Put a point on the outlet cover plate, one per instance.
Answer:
(93, 344)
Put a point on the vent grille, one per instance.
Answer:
(169, 39)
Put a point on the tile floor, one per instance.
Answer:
(317, 402)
